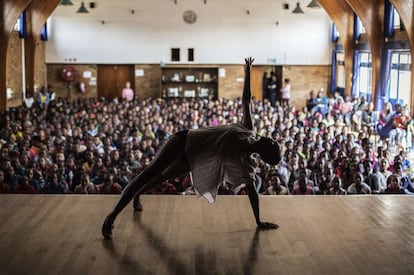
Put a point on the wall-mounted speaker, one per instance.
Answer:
(92, 5)
(286, 6)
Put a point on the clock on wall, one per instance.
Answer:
(189, 16)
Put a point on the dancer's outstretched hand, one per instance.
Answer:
(267, 225)
(249, 61)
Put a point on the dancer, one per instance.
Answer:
(212, 155)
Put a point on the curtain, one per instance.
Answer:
(388, 19)
(333, 72)
(22, 32)
(43, 33)
(334, 33)
(355, 70)
(383, 90)
(357, 27)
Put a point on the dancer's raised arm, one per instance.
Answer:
(247, 95)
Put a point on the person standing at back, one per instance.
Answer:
(272, 89)
(127, 92)
(265, 92)
(285, 92)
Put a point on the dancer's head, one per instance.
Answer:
(269, 150)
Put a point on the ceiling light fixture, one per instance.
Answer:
(298, 9)
(66, 3)
(314, 5)
(82, 8)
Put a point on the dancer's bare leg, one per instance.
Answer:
(169, 162)
(176, 169)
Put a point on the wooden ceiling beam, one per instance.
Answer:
(10, 11)
(37, 14)
(343, 17)
(371, 14)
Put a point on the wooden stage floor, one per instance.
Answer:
(60, 234)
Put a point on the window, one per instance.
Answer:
(361, 26)
(334, 33)
(365, 76)
(400, 79)
(20, 25)
(43, 33)
(17, 25)
(358, 27)
(397, 20)
(190, 54)
(363, 29)
(340, 73)
(175, 54)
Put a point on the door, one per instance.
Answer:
(112, 79)
(257, 79)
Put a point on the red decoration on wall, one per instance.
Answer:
(69, 74)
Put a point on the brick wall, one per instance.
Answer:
(149, 84)
(231, 85)
(306, 78)
(303, 78)
(14, 67)
(54, 78)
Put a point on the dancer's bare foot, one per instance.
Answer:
(107, 227)
(137, 204)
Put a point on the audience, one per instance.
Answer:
(4, 188)
(94, 146)
(358, 186)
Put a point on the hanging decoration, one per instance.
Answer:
(69, 74)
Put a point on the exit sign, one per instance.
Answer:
(271, 61)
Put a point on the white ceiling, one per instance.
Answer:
(144, 10)
(225, 32)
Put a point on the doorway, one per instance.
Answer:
(259, 78)
(112, 79)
